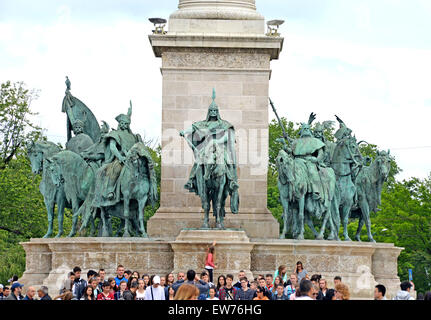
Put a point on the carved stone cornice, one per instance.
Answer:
(252, 44)
(216, 58)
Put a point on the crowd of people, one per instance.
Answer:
(131, 285)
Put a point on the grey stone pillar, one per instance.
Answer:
(221, 45)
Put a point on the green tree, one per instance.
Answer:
(22, 209)
(405, 220)
(15, 127)
(22, 214)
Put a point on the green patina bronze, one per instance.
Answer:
(326, 180)
(307, 186)
(101, 173)
(80, 141)
(214, 173)
(39, 153)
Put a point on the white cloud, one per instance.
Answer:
(382, 93)
(108, 64)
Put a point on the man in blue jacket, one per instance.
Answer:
(191, 279)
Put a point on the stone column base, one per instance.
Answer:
(168, 223)
(232, 252)
(136, 254)
(360, 264)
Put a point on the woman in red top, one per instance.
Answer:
(210, 260)
(106, 294)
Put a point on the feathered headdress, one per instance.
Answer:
(124, 117)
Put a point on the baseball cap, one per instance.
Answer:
(156, 279)
(1, 286)
(16, 285)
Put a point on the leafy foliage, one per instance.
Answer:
(15, 126)
(22, 214)
(405, 219)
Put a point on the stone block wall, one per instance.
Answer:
(361, 265)
(241, 81)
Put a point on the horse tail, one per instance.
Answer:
(84, 212)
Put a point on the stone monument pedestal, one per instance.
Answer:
(361, 265)
(218, 45)
(169, 223)
(232, 253)
(48, 261)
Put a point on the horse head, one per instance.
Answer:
(38, 152)
(54, 170)
(383, 162)
(35, 154)
(285, 167)
(136, 158)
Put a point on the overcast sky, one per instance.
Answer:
(367, 61)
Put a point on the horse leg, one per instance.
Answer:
(127, 226)
(135, 224)
(284, 216)
(141, 218)
(109, 224)
(221, 218)
(60, 214)
(103, 217)
(310, 224)
(358, 231)
(294, 215)
(290, 220)
(345, 217)
(301, 206)
(206, 206)
(333, 227)
(50, 212)
(332, 234)
(285, 205)
(75, 209)
(92, 228)
(325, 221)
(335, 219)
(120, 228)
(365, 209)
(74, 225)
(205, 224)
(218, 201)
(100, 229)
(212, 204)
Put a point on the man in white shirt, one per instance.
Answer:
(155, 292)
(306, 289)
